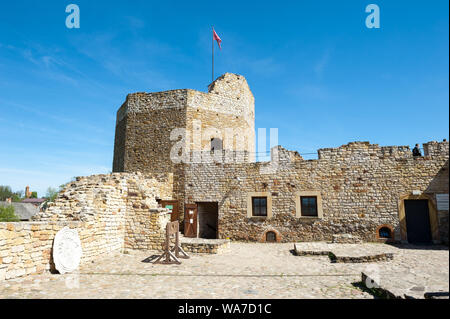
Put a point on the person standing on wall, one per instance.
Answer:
(416, 151)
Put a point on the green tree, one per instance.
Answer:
(6, 192)
(34, 195)
(51, 193)
(19, 196)
(7, 214)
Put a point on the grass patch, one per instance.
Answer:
(7, 214)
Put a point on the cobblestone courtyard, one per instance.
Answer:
(246, 270)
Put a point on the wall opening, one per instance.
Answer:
(405, 226)
(384, 232)
(418, 226)
(271, 237)
(259, 206)
(208, 220)
(308, 206)
(216, 144)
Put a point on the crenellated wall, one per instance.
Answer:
(435, 149)
(146, 121)
(360, 186)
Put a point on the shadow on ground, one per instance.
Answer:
(150, 259)
(376, 293)
(418, 246)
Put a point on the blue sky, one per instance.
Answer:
(317, 73)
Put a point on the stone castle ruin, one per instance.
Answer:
(358, 188)
(356, 192)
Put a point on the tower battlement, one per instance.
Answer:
(145, 122)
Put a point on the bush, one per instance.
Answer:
(7, 214)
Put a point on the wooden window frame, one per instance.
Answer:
(250, 204)
(260, 206)
(298, 204)
(303, 207)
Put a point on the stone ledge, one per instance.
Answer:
(204, 246)
(404, 286)
(360, 258)
(316, 249)
(345, 253)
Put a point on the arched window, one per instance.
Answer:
(384, 232)
(271, 237)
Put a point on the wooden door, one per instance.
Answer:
(418, 225)
(174, 207)
(190, 220)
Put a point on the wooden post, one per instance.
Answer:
(167, 256)
(178, 249)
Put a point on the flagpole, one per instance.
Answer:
(212, 42)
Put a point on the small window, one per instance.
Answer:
(309, 206)
(259, 206)
(385, 232)
(271, 237)
(216, 144)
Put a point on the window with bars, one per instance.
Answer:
(309, 206)
(259, 206)
(271, 237)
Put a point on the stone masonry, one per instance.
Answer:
(146, 120)
(110, 212)
(361, 187)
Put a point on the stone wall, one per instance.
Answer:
(26, 247)
(146, 120)
(111, 212)
(143, 127)
(227, 112)
(360, 185)
(120, 207)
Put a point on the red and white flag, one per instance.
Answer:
(217, 38)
